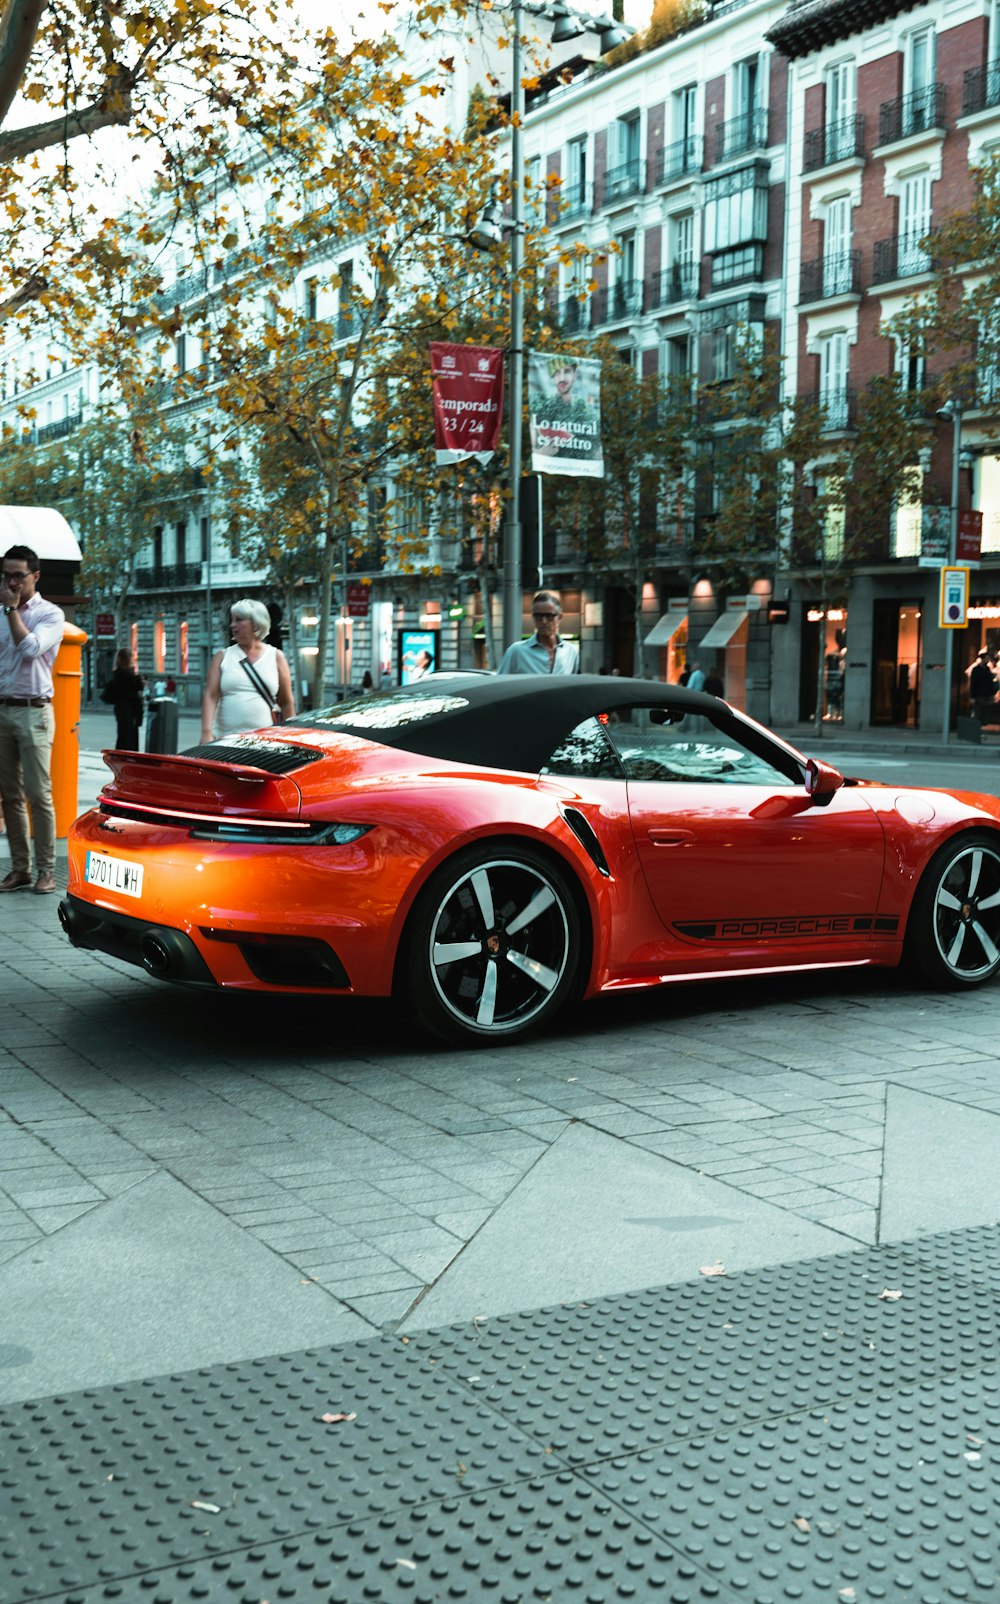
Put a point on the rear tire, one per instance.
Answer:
(953, 933)
(492, 947)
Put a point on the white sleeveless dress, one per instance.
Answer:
(241, 706)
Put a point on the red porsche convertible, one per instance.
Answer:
(485, 849)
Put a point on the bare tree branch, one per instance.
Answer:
(112, 110)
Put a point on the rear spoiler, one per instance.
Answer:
(197, 784)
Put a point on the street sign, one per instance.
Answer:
(969, 545)
(456, 610)
(954, 598)
(105, 624)
(778, 612)
(358, 600)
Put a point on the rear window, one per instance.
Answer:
(383, 710)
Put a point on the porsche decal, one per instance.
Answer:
(785, 929)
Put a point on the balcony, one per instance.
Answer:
(741, 134)
(837, 142)
(621, 182)
(168, 576)
(987, 385)
(745, 265)
(837, 409)
(830, 276)
(911, 114)
(903, 256)
(185, 288)
(618, 301)
(674, 284)
(60, 429)
(575, 315)
(345, 325)
(678, 160)
(575, 204)
(981, 88)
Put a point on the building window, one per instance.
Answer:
(575, 193)
(534, 192)
(914, 223)
(988, 500)
(180, 352)
(918, 66)
(909, 517)
(736, 208)
(182, 647)
(724, 348)
(837, 265)
(833, 363)
(841, 103)
(206, 540)
(159, 645)
(910, 367)
(311, 299)
(180, 543)
(678, 357)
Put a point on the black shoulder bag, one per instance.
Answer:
(277, 717)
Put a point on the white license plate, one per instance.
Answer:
(114, 874)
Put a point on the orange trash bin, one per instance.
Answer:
(66, 678)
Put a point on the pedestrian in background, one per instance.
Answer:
(983, 688)
(545, 652)
(123, 692)
(248, 685)
(31, 632)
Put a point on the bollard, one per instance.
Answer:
(66, 678)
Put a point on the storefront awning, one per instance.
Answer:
(665, 628)
(724, 628)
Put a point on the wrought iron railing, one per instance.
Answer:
(836, 142)
(685, 156)
(981, 88)
(575, 315)
(903, 256)
(837, 408)
(167, 576)
(620, 182)
(673, 284)
(574, 203)
(59, 429)
(911, 114)
(746, 132)
(617, 301)
(830, 275)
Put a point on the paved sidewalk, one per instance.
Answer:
(191, 1186)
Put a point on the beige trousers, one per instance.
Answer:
(26, 735)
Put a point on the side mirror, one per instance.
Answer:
(822, 780)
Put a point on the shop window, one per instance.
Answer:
(159, 646)
(134, 643)
(182, 647)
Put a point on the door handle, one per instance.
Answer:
(661, 837)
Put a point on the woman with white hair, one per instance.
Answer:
(248, 685)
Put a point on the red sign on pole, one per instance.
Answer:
(105, 624)
(468, 401)
(358, 599)
(970, 536)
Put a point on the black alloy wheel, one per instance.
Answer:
(493, 946)
(953, 935)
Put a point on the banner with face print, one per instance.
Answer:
(564, 408)
(468, 401)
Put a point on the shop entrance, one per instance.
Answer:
(898, 663)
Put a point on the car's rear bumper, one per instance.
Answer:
(164, 952)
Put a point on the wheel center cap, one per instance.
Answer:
(967, 910)
(493, 943)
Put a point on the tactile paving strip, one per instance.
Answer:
(619, 1374)
(555, 1539)
(106, 1481)
(711, 1389)
(894, 1499)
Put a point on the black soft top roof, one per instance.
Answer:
(504, 722)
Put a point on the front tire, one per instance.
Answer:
(953, 934)
(492, 947)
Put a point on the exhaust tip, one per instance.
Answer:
(155, 954)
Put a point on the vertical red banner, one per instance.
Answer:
(468, 401)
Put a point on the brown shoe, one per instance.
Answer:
(45, 882)
(17, 880)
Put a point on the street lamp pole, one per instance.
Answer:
(952, 409)
(512, 540)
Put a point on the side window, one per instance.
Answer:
(657, 744)
(586, 753)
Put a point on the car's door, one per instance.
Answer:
(734, 849)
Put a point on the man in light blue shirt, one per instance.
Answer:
(544, 652)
